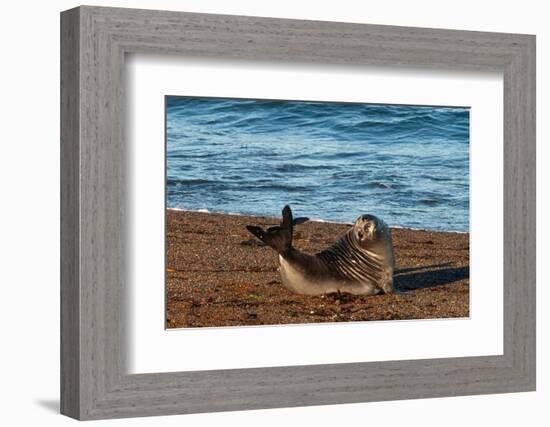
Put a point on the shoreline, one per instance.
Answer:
(220, 275)
(275, 219)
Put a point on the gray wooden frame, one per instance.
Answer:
(94, 382)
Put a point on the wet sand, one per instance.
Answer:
(220, 275)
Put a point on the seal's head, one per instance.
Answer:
(369, 229)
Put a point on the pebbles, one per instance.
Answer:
(216, 276)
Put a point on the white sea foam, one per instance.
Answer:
(328, 221)
(204, 210)
(208, 211)
(427, 229)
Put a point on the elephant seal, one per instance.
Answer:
(360, 262)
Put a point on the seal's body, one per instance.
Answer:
(361, 262)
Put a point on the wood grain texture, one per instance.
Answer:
(70, 257)
(94, 382)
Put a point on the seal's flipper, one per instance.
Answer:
(287, 218)
(300, 220)
(256, 231)
(278, 237)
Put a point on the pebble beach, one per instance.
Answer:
(219, 275)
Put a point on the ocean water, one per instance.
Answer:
(408, 165)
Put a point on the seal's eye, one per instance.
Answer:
(360, 234)
(369, 229)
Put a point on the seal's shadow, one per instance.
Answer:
(409, 279)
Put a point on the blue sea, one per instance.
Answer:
(408, 165)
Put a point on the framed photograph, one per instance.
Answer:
(408, 164)
(261, 213)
